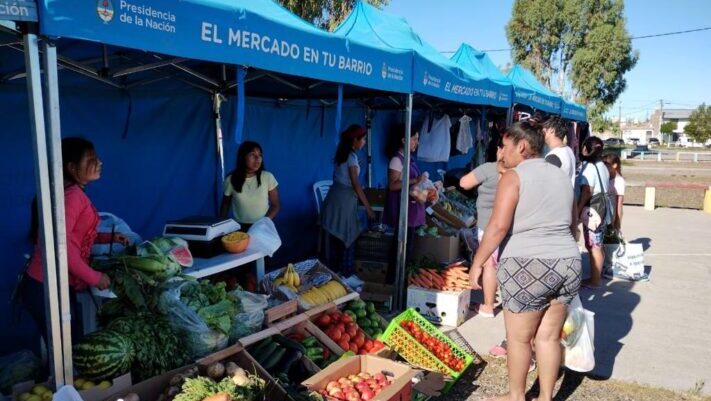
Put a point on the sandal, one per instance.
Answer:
(533, 364)
(498, 351)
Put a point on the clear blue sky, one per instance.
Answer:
(674, 68)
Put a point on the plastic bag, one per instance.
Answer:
(426, 191)
(109, 223)
(252, 316)
(199, 338)
(17, 367)
(580, 353)
(263, 237)
(67, 393)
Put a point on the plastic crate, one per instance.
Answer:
(376, 247)
(409, 349)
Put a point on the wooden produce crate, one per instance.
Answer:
(280, 312)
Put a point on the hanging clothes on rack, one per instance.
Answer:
(464, 135)
(434, 139)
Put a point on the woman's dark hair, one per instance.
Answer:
(612, 159)
(396, 138)
(594, 147)
(345, 145)
(523, 130)
(73, 151)
(239, 175)
(558, 125)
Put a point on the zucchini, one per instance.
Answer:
(364, 323)
(289, 343)
(287, 360)
(266, 353)
(273, 359)
(260, 346)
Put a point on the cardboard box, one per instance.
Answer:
(372, 271)
(444, 308)
(400, 375)
(152, 388)
(443, 249)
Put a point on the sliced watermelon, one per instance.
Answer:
(181, 255)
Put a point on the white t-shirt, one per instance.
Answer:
(567, 161)
(342, 173)
(395, 164)
(616, 187)
(435, 143)
(589, 177)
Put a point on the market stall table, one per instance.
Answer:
(201, 267)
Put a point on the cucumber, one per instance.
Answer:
(289, 343)
(361, 313)
(266, 353)
(370, 307)
(364, 323)
(351, 314)
(273, 359)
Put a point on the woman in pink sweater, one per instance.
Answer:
(80, 166)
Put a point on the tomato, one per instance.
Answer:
(344, 345)
(323, 321)
(359, 340)
(335, 317)
(345, 337)
(352, 331)
(341, 327)
(368, 345)
(353, 347)
(336, 334)
(345, 318)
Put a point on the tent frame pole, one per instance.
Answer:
(54, 142)
(44, 207)
(404, 201)
(219, 145)
(368, 127)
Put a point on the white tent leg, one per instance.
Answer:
(217, 102)
(404, 201)
(54, 142)
(44, 202)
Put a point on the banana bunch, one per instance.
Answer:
(290, 278)
(448, 206)
(324, 294)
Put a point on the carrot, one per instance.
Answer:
(436, 279)
(420, 281)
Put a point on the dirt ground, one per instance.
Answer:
(488, 377)
(637, 173)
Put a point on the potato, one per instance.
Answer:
(231, 368)
(104, 384)
(216, 371)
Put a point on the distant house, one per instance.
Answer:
(637, 135)
(681, 118)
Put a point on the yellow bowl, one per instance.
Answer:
(235, 242)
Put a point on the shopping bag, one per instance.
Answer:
(624, 261)
(110, 223)
(263, 237)
(580, 355)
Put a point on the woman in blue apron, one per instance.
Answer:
(340, 208)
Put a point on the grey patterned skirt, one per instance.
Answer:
(530, 284)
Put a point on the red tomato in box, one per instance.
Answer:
(359, 340)
(345, 318)
(335, 334)
(323, 321)
(344, 345)
(368, 345)
(345, 337)
(353, 347)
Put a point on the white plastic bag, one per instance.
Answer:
(67, 393)
(199, 338)
(263, 237)
(625, 261)
(252, 316)
(580, 355)
(109, 223)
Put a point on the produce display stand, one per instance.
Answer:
(202, 267)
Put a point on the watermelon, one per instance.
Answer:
(103, 354)
(181, 255)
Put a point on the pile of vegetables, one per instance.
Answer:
(344, 331)
(366, 317)
(317, 353)
(212, 303)
(438, 348)
(452, 278)
(283, 358)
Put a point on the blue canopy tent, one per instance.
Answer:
(573, 111)
(129, 50)
(434, 76)
(478, 63)
(527, 90)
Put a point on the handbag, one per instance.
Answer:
(600, 203)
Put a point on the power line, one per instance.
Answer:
(655, 35)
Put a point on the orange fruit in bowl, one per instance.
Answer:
(235, 242)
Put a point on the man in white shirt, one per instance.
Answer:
(555, 129)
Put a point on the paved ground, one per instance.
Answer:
(657, 332)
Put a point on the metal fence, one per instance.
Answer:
(664, 156)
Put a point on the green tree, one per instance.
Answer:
(668, 127)
(699, 126)
(326, 14)
(582, 44)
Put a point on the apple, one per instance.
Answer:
(367, 395)
(379, 376)
(343, 380)
(332, 385)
